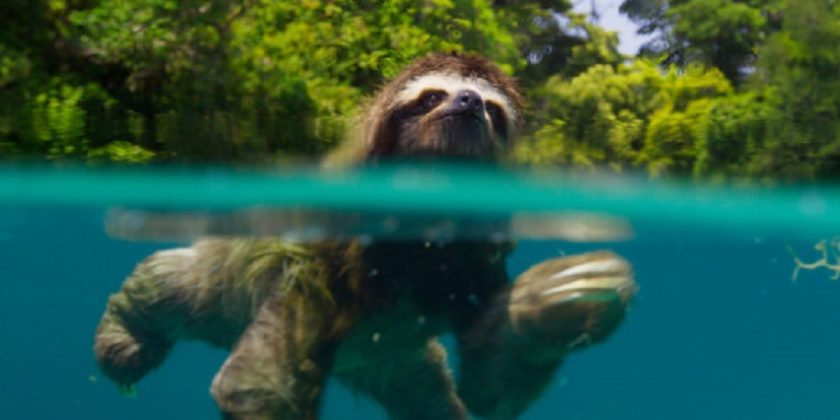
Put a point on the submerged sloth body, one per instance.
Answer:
(369, 313)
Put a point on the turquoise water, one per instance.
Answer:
(719, 328)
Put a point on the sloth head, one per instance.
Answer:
(443, 105)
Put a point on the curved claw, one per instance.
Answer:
(572, 300)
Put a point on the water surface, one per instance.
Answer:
(719, 328)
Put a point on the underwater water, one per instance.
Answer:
(719, 328)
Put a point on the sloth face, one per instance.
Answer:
(442, 105)
(442, 114)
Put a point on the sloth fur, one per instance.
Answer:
(370, 313)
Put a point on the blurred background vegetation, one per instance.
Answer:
(723, 89)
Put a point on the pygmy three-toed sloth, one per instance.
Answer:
(369, 312)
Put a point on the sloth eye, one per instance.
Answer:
(432, 99)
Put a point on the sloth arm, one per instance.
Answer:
(411, 384)
(210, 291)
(501, 370)
(278, 367)
(158, 304)
(399, 363)
(509, 356)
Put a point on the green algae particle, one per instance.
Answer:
(128, 390)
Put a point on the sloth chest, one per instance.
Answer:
(400, 329)
(435, 279)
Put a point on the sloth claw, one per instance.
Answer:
(572, 301)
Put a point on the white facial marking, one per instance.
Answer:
(452, 84)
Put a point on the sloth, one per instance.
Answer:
(369, 313)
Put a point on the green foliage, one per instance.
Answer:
(635, 116)
(783, 122)
(339, 51)
(120, 151)
(554, 41)
(800, 64)
(734, 136)
(225, 80)
(58, 119)
(677, 129)
(715, 33)
(672, 138)
(724, 89)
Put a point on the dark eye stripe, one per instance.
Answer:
(429, 99)
(497, 117)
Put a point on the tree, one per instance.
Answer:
(798, 65)
(229, 80)
(553, 40)
(635, 116)
(716, 33)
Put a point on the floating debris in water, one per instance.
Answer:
(311, 225)
(829, 258)
(390, 224)
(494, 257)
(572, 226)
(129, 390)
(582, 339)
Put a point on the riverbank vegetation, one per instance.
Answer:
(724, 88)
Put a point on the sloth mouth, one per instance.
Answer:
(450, 134)
(463, 127)
(455, 115)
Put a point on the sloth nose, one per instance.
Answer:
(469, 100)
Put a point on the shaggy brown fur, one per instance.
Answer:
(385, 123)
(370, 313)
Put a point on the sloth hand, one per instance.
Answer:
(571, 301)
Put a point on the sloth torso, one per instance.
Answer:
(383, 293)
(416, 291)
